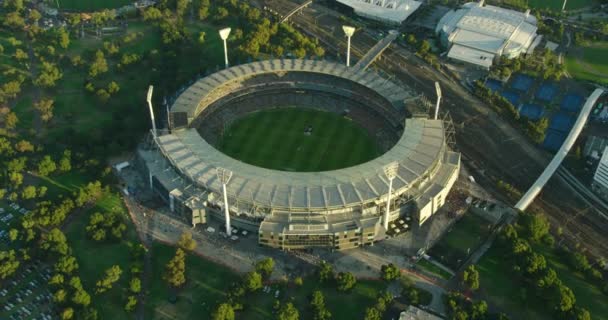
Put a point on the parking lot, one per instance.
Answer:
(27, 296)
(9, 213)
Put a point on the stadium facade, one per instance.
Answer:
(479, 34)
(338, 209)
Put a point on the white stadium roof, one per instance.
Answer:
(495, 30)
(392, 11)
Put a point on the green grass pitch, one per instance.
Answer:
(275, 139)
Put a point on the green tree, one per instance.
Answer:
(326, 272)
(67, 314)
(317, 303)
(346, 281)
(14, 20)
(28, 192)
(135, 285)
(470, 277)
(8, 264)
(203, 9)
(176, 269)
(45, 107)
(186, 242)
(535, 225)
(425, 47)
(65, 163)
(131, 303)
(46, 166)
(265, 267)
(99, 65)
(372, 314)
(288, 312)
(152, 14)
(63, 38)
(49, 75)
(253, 281)
(390, 272)
(223, 312)
(11, 120)
(66, 265)
(112, 275)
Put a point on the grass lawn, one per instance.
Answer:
(208, 282)
(466, 234)
(64, 184)
(556, 5)
(592, 66)
(89, 5)
(206, 285)
(497, 286)
(430, 267)
(94, 258)
(588, 295)
(275, 139)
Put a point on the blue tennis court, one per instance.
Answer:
(522, 82)
(561, 122)
(572, 102)
(547, 91)
(511, 96)
(493, 84)
(554, 140)
(531, 111)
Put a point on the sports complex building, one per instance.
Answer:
(338, 209)
(479, 34)
(387, 11)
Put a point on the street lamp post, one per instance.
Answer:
(349, 31)
(224, 33)
(564, 5)
(438, 90)
(149, 100)
(391, 172)
(224, 176)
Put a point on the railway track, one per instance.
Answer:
(491, 143)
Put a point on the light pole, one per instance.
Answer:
(149, 100)
(224, 176)
(349, 31)
(564, 6)
(391, 172)
(438, 90)
(224, 33)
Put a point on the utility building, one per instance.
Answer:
(479, 34)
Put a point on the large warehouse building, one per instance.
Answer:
(387, 11)
(479, 34)
(338, 209)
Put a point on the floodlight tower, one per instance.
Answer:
(438, 90)
(224, 176)
(149, 100)
(224, 33)
(349, 31)
(391, 172)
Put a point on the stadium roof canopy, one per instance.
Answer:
(487, 30)
(389, 11)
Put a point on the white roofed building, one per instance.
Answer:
(479, 34)
(600, 179)
(387, 11)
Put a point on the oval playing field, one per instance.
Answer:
(305, 150)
